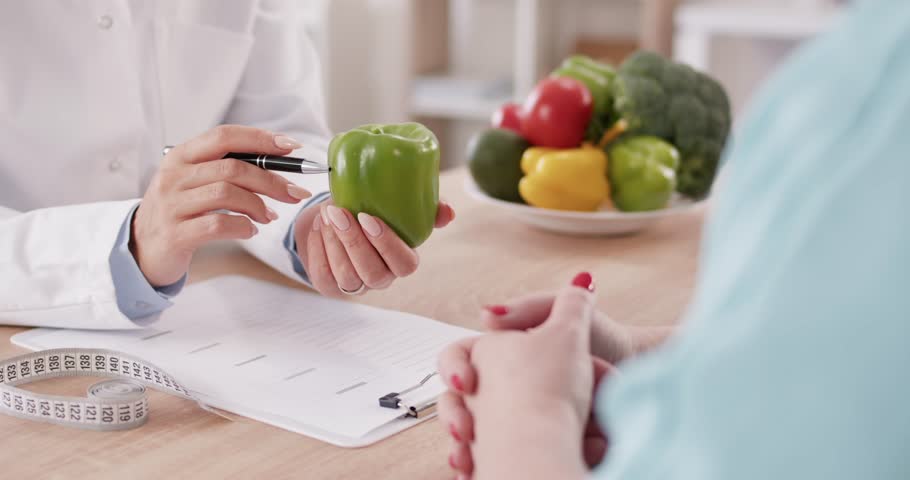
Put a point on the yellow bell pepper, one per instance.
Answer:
(570, 179)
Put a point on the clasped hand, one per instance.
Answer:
(506, 389)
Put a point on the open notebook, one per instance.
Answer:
(288, 358)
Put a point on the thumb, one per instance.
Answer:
(520, 314)
(572, 311)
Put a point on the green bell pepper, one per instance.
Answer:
(642, 172)
(595, 77)
(598, 78)
(391, 172)
(597, 85)
(603, 69)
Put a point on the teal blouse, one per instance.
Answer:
(794, 358)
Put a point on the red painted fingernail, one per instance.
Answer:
(498, 310)
(454, 432)
(456, 382)
(452, 462)
(584, 280)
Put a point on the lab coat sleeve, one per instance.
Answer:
(54, 276)
(136, 297)
(281, 91)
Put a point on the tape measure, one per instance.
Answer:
(117, 404)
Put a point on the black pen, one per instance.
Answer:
(272, 162)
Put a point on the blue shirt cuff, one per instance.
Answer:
(291, 244)
(136, 298)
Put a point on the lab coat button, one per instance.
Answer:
(105, 22)
(114, 165)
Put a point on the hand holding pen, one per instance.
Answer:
(176, 215)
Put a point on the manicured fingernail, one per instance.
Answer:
(498, 310)
(452, 461)
(271, 214)
(456, 382)
(338, 218)
(584, 280)
(255, 230)
(284, 141)
(369, 224)
(298, 192)
(316, 223)
(454, 432)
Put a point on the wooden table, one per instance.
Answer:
(483, 257)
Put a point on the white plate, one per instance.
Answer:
(604, 222)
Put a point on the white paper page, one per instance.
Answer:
(280, 352)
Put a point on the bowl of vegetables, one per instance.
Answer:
(601, 150)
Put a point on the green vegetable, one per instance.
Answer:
(597, 84)
(391, 172)
(642, 173)
(604, 69)
(494, 158)
(672, 101)
(598, 78)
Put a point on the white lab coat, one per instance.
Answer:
(90, 92)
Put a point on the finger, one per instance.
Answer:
(369, 265)
(455, 366)
(461, 460)
(444, 215)
(222, 196)
(194, 233)
(318, 268)
(223, 139)
(401, 259)
(244, 175)
(342, 268)
(455, 417)
(602, 371)
(572, 312)
(594, 449)
(519, 314)
(592, 429)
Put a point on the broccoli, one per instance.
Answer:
(672, 101)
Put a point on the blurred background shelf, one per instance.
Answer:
(741, 42)
(448, 96)
(772, 21)
(451, 63)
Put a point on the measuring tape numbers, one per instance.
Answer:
(120, 403)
